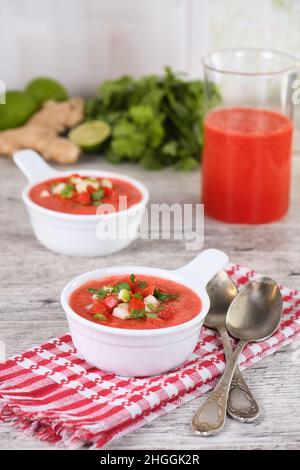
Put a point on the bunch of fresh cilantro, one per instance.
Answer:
(156, 121)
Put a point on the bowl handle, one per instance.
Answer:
(33, 166)
(203, 268)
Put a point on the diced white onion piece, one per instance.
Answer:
(95, 297)
(105, 183)
(150, 299)
(75, 179)
(94, 183)
(121, 311)
(81, 186)
(107, 288)
(58, 188)
(45, 193)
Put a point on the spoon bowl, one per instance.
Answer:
(255, 313)
(221, 291)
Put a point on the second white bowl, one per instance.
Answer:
(73, 234)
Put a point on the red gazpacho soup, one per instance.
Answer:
(136, 302)
(246, 164)
(77, 194)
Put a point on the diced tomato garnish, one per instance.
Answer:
(111, 301)
(90, 189)
(83, 198)
(136, 304)
(99, 307)
(107, 191)
(166, 313)
(149, 290)
(132, 286)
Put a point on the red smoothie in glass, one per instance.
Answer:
(246, 165)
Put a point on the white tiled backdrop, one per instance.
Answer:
(81, 42)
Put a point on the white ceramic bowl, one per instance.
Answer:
(143, 352)
(73, 234)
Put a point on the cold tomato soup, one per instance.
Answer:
(246, 164)
(137, 302)
(77, 194)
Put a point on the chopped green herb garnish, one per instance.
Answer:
(152, 307)
(142, 284)
(100, 293)
(135, 313)
(68, 191)
(138, 295)
(155, 308)
(132, 277)
(120, 286)
(97, 195)
(96, 203)
(100, 316)
(163, 296)
(151, 315)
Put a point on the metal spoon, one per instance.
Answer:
(253, 315)
(241, 404)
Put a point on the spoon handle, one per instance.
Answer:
(210, 417)
(241, 404)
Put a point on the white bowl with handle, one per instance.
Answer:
(148, 352)
(76, 234)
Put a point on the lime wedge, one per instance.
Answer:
(90, 135)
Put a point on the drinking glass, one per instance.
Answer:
(248, 134)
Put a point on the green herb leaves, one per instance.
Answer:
(142, 284)
(97, 195)
(120, 286)
(138, 295)
(151, 315)
(100, 316)
(136, 314)
(100, 293)
(156, 121)
(163, 296)
(68, 191)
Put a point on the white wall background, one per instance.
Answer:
(82, 42)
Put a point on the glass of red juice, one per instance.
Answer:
(247, 135)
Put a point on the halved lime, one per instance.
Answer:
(90, 135)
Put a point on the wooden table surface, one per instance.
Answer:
(30, 312)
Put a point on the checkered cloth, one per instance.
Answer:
(53, 394)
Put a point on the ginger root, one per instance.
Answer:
(41, 132)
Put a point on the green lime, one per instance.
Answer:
(43, 89)
(90, 135)
(19, 106)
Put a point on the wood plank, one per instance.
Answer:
(30, 313)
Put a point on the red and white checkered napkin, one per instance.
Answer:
(53, 394)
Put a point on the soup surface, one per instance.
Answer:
(135, 302)
(77, 194)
